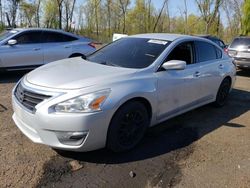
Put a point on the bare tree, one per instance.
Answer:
(96, 7)
(232, 9)
(8, 19)
(108, 5)
(209, 10)
(1, 12)
(160, 13)
(185, 17)
(124, 7)
(69, 10)
(238, 12)
(27, 12)
(38, 4)
(13, 6)
(60, 3)
(149, 16)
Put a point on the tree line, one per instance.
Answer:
(99, 19)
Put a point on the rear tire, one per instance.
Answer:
(223, 93)
(127, 127)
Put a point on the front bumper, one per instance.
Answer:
(43, 127)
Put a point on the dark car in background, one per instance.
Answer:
(216, 40)
(239, 49)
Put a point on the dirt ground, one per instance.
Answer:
(207, 147)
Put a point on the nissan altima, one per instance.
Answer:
(112, 96)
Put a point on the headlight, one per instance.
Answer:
(85, 103)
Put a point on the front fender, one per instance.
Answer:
(130, 89)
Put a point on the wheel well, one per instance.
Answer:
(228, 78)
(75, 55)
(142, 100)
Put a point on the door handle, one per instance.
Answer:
(197, 74)
(36, 49)
(66, 46)
(221, 66)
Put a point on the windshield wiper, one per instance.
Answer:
(109, 64)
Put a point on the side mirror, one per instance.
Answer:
(12, 42)
(174, 65)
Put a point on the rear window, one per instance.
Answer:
(130, 52)
(206, 51)
(240, 42)
(50, 37)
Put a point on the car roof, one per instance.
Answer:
(45, 29)
(247, 37)
(208, 36)
(163, 36)
(34, 28)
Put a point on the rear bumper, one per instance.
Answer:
(243, 63)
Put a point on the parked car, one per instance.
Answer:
(117, 36)
(239, 49)
(216, 40)
(112, 97)
(29, 48)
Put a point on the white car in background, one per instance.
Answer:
(117, 36)
(32, 47)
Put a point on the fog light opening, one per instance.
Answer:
(71, 138)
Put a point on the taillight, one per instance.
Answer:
(92, 44)
(226, 50)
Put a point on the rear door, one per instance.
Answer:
(56, 46)
(26, 53)
(211, 68)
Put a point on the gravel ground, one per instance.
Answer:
(207, 147)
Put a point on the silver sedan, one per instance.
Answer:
(29, 48)
(112, 97)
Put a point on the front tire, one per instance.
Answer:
(127, 126)
(223, 93)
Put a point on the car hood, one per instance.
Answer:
(75, 73)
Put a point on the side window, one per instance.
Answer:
(206, 51)
(29, 37)
(68, 38)
(183, 52)
(218, 53)
(50, 37)
(221, 44)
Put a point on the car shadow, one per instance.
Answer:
(244, 73)
(175, 133)
(12, 76)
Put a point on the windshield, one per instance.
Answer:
(130, 52)
(7, 34)
(240, 42)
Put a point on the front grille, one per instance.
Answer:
(29, 99)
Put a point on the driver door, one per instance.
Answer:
(27, 52)
(178, 89)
